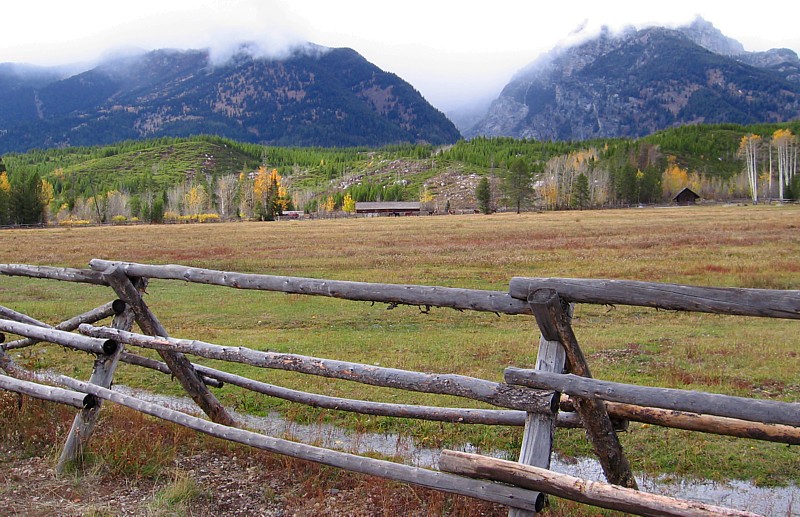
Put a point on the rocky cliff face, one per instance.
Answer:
(641, 81)
(317, 96)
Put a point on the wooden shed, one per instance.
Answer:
(394, 208)
(686, 197)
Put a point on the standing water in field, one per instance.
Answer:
(741, 495)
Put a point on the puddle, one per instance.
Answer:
(741, 495)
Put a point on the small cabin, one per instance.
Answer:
(391, 208)
(686, 197)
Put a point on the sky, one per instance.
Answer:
(453, 52)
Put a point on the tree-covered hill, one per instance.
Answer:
(183, 177)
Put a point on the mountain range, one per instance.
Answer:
(314, 97)
(629, 84)
(640, 81)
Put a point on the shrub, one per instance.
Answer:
(208, 218)
(74, 222)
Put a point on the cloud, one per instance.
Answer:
(90, 30)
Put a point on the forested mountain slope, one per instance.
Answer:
(316, 96)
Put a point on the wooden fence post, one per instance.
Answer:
(537, 439)
(103, 373)
(178, 364)
(554, 323)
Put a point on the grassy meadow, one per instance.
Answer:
(736, 246)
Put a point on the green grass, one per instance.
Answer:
(720, 246)
(172, 500)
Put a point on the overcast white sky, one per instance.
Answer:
(452, 51)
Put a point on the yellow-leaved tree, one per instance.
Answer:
(195, 200)
(786, 144)
(5, 198)
(673, 180)
(329, 205)
(349, 204)
(270, 198)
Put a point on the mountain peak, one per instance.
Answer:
(636, 82)
(312, 96)
(709, 37)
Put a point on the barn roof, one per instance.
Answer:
(388, 205)
(686, 191)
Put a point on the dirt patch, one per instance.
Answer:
(139, 465)
(238, 483)
(220, 485)
(458, 188)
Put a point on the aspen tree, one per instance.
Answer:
(226, 194)
(349, 204)
(195, 200)
(749, 147)
(785, 144)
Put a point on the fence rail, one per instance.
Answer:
(528, 398)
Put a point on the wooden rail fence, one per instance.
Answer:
(529, 397)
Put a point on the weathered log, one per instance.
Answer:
(92, 316)
(49, 393)
(53, 273)
(59, 337)
(706, 423)
(537, 439)
(11, 314)
(102, 374)
(152, 364)
(486, 490)
(178, 364)
(8, 365)
(497, 394)
(694, 422)
(576, 489)
(449, 297)
(718, 300)
(552, 318)
(441, 414)
(216, 378)
(765, 411)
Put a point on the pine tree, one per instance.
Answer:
(580, 192)
(517, 184)
(27, 205)
(483, 193)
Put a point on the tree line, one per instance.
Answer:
(209, 176)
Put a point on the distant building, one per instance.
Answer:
(292, 214)
(686, 197)
(394, 208)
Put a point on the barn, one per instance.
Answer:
(392, 208)
(686, 197)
